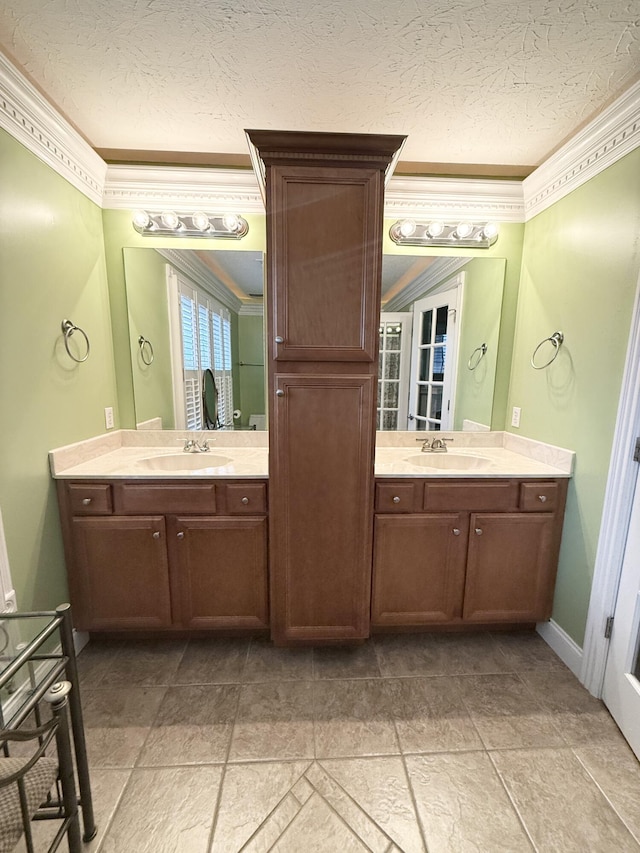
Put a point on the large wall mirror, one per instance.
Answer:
(200, 313)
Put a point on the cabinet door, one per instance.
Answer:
(325, 259)
(120, 577)
(418, 569)
(321, 506)
(511, 567)
(220, 565)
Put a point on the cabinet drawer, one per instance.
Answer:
(538, 497)
(134, 498)
(92, 499)
(396, 497)
(471, 495)
(248, 499)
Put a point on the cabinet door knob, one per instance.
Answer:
(279, 393)
(180, 535)
(396, 500)
(86, 501)
(245, 500)
(456, 531)
(542, 498)
(279, 339)
(479, 531)
(156, 534)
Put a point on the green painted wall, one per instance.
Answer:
(52, 268)
(483, 292)
(579, 272)
(251, 348)
(148, 315)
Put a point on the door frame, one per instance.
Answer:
(616, 514)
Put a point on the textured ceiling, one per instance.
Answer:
(469, 81)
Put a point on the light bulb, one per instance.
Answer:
(435, 229)
(231, 222)
(141, 219)
(490, 230)
(407, 228)
(463, 230)
(200, 221)
(170, 219)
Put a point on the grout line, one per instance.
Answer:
(512, 802)
(116, 805)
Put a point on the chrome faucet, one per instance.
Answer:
(425, 445)
(192, 446)
(439, 445)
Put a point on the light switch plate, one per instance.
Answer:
(515, 416)
(108, 417)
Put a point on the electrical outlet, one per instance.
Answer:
(108, 417)
(515, 417)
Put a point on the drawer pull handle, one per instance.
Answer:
(542, 498)
(456, 531)
(180, 535)
(279, 339)
(156, 534)
(86, 501)
(479, 531)
(279, 393)
(245, 501)
(396, 500)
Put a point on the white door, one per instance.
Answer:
(393, 370)
(621, 692)
(434, 356)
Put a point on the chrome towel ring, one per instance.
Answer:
(146, 350)
(482, 349)
(68, 328)
(556, 339)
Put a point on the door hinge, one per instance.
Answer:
(636, 452)
(608, 627)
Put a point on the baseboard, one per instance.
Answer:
(567, 649)
(80, 640)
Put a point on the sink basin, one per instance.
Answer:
(183, 462)
(450, 461)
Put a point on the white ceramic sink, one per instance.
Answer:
(450, 461)
(183, 462)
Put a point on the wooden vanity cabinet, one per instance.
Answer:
(324, 202)
(140, 557)
(436, 566)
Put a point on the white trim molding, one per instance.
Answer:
(198, 272)
(448, 198)
(27, 116)
(616, 513)
(182, 188)
(425, 284)
(605, 140)
(567, 649)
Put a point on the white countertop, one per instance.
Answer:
(131, 454)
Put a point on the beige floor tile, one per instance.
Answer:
(463, 805)
(215, 661)
(526, 650)
(145, 663)
(266, 662)
(193, 726)
(430, 715)
(345, 662)
(470, 654)
(318, 829)
(379, 786)
(274, 721)
(250, 793)
(273, 827)
(165, 810)
(580, 717)
(505, 713)
(616, 771)
(409, 654)
(94, 661)
(353, 718)
(560, 804)
(117, 722)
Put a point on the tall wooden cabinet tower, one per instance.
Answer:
(324, 198)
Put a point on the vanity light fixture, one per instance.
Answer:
(464, 234)
(198, 224)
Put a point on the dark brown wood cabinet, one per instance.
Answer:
(466, 567)
(165, 569)
(324, 200)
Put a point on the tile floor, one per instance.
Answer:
(437, 743)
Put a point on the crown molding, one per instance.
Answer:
(30, 119)
(454, 198)
(605, 140)
(438, 271)
(252, 309)
(199, 273)
(182, 188)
